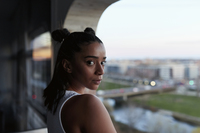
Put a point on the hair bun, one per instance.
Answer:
(60, 34)
(89, 31)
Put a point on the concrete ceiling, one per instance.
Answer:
(85, 13)
(17, 16)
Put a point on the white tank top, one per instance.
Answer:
(54, 124)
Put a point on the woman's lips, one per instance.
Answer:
(97, 81)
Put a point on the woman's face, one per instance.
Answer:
(88, 67)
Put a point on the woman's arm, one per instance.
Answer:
(96, 118)
(86, 114)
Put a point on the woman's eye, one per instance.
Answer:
(103, 63)
(90, 62)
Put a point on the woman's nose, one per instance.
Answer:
(99, 69)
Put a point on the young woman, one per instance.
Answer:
(80, 65)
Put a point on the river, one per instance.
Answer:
(148, 121)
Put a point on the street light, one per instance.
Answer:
(146, 82)
(191, 82)
(152, 83)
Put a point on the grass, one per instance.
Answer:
(109, 86)
(189, 105)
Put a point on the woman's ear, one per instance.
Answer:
(67, 66)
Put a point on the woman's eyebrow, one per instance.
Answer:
(91, 57)
(94, 57)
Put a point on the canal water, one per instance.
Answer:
(148, 121)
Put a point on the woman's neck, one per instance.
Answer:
(80, 91)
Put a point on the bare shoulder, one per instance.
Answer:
(81, 105)
(83, 101)
(86, 103)
(91, 105)
(90, 101)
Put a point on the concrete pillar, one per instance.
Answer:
(125, 97)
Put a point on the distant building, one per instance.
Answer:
(191, 71)
(172, 71)
(165, 72)
(143, 71)
(178, 71)
(112, 69)
(117, 67)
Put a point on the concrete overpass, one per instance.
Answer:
(124, 93)
(84, 13)
(20, 22)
